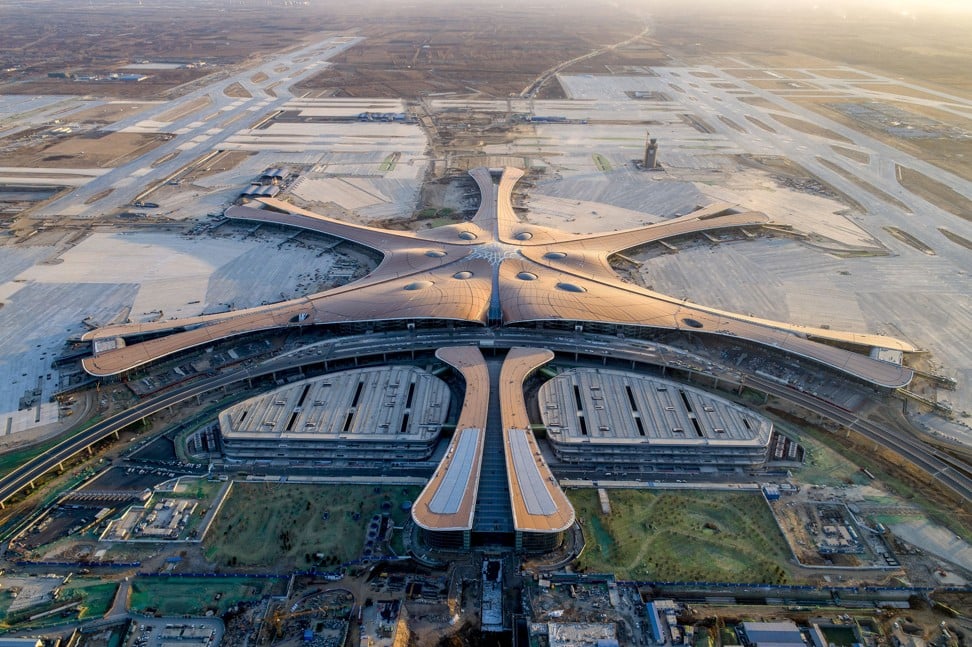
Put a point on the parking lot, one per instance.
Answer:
(162, 632)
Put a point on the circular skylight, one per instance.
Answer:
(418, 285)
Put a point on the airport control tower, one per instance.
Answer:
(649, 161)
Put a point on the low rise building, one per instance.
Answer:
(374, 414)
(610, 418)
(773, 634)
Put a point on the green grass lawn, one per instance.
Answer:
(825, 466)
(96, 595)
(14, 459)
(682, 536)
(96, 598)
(263, 524)
(388, 164)
(194, 596)
(6, 599)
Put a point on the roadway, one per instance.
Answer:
(950, 472)
(24, 475)
(200, 130)
(531, 90)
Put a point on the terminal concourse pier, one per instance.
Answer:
(493, 486)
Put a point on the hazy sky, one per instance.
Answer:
(836, 6)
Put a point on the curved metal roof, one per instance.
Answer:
(538, 503)
(448, 500)
(539, 274)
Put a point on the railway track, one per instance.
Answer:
(951, 472)
(948, 470)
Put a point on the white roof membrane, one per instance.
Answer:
(536, 497)
(449, 496)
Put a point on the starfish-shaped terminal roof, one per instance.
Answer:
(494, 269)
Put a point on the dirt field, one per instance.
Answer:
(643, 53)
(761, 124)
(410, 50)
(935, 192)
(495, 51)
(810, 129)
(909, 239)
(902, 90)
(71, 38)
(759, 102)
(947, 153)
(185, 109)
(237, 91)
(108, 113)
(858, 156)
(151, 88)
(221, 162)
(95, 149)
(955, 238)
(781, 84)
(867, 186)
(665, 535)
(931, 49)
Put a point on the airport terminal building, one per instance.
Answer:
(496, 272)
(616, 419)
(383, 413)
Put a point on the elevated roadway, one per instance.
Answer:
(950, 472)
